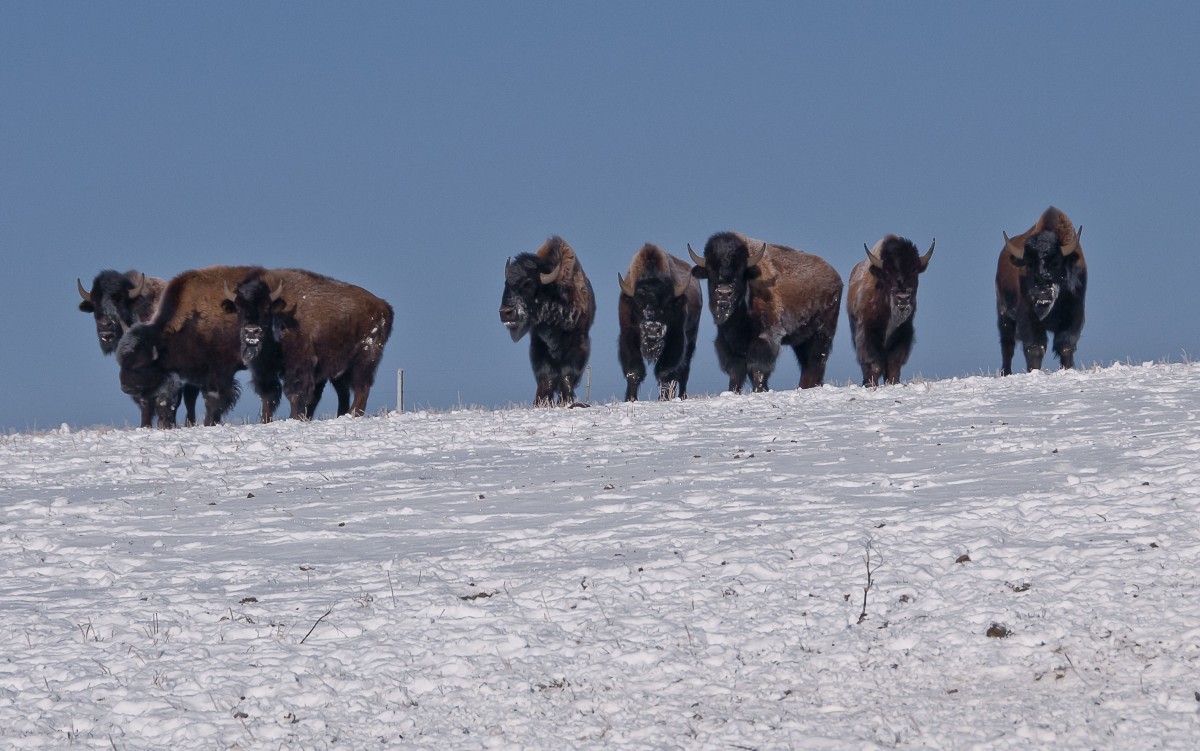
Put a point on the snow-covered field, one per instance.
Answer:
(971, 563)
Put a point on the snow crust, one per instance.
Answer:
(976, 563)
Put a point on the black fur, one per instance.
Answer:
(881, 306)
(558, 316)
(658, 326)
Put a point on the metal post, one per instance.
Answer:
(400, 390)
(587, 391)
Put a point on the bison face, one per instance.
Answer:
(111, 302)
(896, 267)
(1047, 271)
(524, 293)
(142, 375)
(729, 265)
(256, 305)
(657, 300)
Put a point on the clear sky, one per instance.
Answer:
(411, 147)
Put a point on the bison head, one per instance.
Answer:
(1050, 264)
(728, 264)
(895, 265)
(658, 295)
(142, 375)
(112, 301)
(256, 304)
(530, 289)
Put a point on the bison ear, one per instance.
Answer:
(753, 272)
(700, 272)
(87, 307)
(228, 306)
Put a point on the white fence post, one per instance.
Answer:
(400, 390)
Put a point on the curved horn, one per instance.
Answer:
(698, 260)
(928, 254)
(552, 277)
(1070, 247)
(1014, 250)
(124, 326)
(627, 285)
(753, 258)
(87, 296)
(138, 288)
(277, 292)
(874, 257)
(229, 295)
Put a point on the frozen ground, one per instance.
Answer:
(972, 563)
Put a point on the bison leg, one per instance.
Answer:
(1008, 343)
(761, 359)
(812, 356)
(1064, 347)
(146, 407)
(871, 373)
(190, 394)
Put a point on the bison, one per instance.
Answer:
(118, 301)
(190, 340)
(1041, 280)
(547, 295)
(880, 302)
(764, 296)
(659, 314)
(305, 329)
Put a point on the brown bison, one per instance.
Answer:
(547, 295)
(1041, 281)
(659, 314)
(881, 301)
(305, 329)
(763, 297)
(190, 340)
(118, 301)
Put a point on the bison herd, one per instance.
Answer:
(295, 331)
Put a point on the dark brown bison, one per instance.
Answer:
(1041, 280)
(305, 329)
(763, 297)
(547, 295)
(659, 314)
(881, 301)
(191, 339)
(118, 301)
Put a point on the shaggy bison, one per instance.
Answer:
(881, 301)
(547, 295)
(1041, 280)
(118, 301)
(304, 329)
(190, 340)
(763, 297)
(659, 314)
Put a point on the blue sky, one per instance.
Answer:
(411, 147)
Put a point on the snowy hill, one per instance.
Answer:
(972, 563)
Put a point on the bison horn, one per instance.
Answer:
(698, 260)
(229, 295)
(627, 285)
(87, 296)
(124, 326)
(1014, 249)
(138, 288)
(753, 258)
(552, 277)
(873, 255)
(928, 254)
(1072, 245)
(277, 292)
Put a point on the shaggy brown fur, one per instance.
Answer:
(659, 315)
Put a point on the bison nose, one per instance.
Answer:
(654, 330)
(508, 313)
(251, 334)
